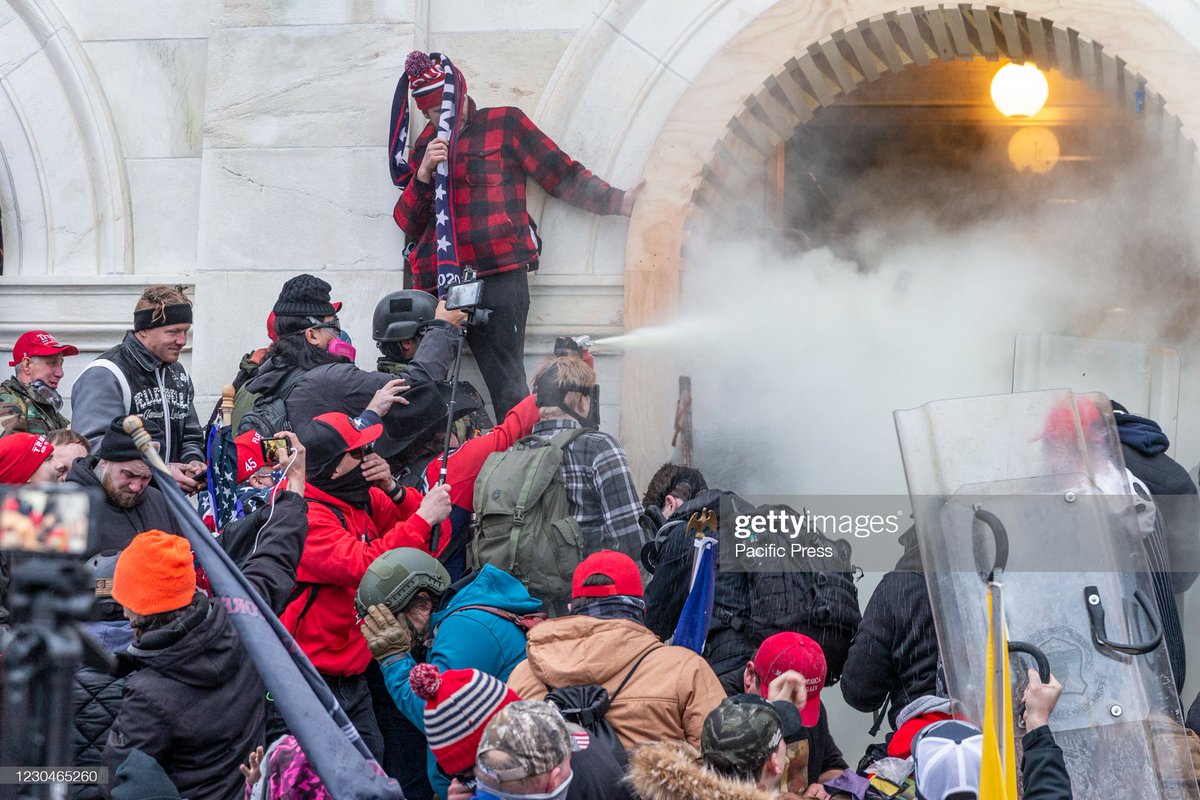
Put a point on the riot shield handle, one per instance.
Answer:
(1034, 652)
(1095, 609)
(1000, 535)
(1043, 668)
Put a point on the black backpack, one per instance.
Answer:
(816, 596)
(586, 706)
(265, 413)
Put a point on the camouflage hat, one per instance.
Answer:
(530, 737)
(741, 734)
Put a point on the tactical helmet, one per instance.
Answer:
(402, 315)
(103, 567)
(395, 577)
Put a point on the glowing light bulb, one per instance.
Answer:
(1034, 149)
(1019, 90)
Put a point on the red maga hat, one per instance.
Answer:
(39, 343)
(793, 651)
(619, 567)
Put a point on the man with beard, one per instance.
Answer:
(356, 512)
(131, 505)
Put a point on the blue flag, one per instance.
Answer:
(692, 629)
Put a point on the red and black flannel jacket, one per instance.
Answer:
(498, 149)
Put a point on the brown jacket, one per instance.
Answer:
(666, 699)
(669, 771)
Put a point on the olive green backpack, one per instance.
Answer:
(522, 518)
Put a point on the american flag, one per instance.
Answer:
(448, 269)
(220, 503)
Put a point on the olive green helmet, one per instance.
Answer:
(395, 577)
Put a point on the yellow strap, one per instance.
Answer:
(993, 782)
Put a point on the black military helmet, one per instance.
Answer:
(395, 577)
(402, 315)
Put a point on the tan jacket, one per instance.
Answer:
(666, 699)
(670, 771)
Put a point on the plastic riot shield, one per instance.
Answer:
(1029, 490)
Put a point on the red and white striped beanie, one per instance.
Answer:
(458, 705)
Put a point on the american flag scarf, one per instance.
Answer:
(449, 272)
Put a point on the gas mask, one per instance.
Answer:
(342, 346)
(42, 391)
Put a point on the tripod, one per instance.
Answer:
(50, 598)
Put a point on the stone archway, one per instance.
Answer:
(836, 65)
(64, 199)
(712, 89)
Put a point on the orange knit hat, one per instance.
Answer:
(155, 574)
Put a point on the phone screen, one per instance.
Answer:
(273, 449)
(464, 295)
(44, 519)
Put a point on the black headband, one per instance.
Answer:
(171, 315)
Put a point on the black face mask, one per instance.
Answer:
(325, 451)
(351, 488)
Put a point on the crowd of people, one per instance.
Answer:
(493, 605)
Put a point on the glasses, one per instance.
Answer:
(358, 453)
(334, 324)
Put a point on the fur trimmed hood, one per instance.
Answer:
(673, 771)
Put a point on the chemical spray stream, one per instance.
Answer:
(798, 359)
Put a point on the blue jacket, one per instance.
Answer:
(472, 639)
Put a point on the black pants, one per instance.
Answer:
(404, 744)
(499, 348)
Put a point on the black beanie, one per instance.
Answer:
(304, 296)
(117, 445)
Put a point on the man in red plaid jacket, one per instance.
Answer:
(498, 149)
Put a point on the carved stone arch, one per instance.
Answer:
(836, 65)
(706, 87)
(64, 196)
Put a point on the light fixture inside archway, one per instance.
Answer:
(1019, 90)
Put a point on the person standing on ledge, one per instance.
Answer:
(496, 150)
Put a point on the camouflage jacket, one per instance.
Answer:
(21, 411)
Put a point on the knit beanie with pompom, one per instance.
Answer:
(458, 705)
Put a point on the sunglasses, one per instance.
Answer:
(359, 453)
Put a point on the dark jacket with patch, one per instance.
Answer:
(196, 702)
(894, 655)
(161, 394)
(195, 705)
(113, 527)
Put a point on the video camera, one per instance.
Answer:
(466, 297)
(44, 536)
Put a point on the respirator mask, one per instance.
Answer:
(342, 346)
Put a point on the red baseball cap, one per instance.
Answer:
(352, 436)
(793, 651)
(39, 343)
(619, 567)
(249, 454)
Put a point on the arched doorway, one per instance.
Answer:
(737, 78)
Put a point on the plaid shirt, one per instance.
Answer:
(600, 490)
(498, 149)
